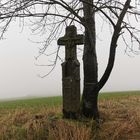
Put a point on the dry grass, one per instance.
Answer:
(120, 121)
(121, 118)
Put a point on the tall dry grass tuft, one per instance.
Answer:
(61, 130)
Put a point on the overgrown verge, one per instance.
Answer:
(120, 120)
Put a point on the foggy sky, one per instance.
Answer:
(19, 73)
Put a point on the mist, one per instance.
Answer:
(20, 75)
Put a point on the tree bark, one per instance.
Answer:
(90, 95)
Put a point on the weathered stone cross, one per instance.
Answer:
(71, 72)
(70, 40)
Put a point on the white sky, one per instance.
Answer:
(18, 73)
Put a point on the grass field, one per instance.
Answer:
(41, 119)
(31, 102)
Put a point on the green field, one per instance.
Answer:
(31, 102)
(108, 95)
(41, 119)
(57, 100)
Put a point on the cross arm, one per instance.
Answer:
(62, 41)
(77, 40)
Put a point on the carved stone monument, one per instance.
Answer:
(71, 72)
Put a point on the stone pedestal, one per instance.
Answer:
(71, 88)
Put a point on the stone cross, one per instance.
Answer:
(71, 73)
(70, 40)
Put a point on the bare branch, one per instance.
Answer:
(113, 46)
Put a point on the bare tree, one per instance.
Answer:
(51, 16)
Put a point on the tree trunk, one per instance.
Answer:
(90, 95)
(91, 84)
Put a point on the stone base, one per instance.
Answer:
(70, 115)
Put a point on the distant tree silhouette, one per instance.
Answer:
(52, 16)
